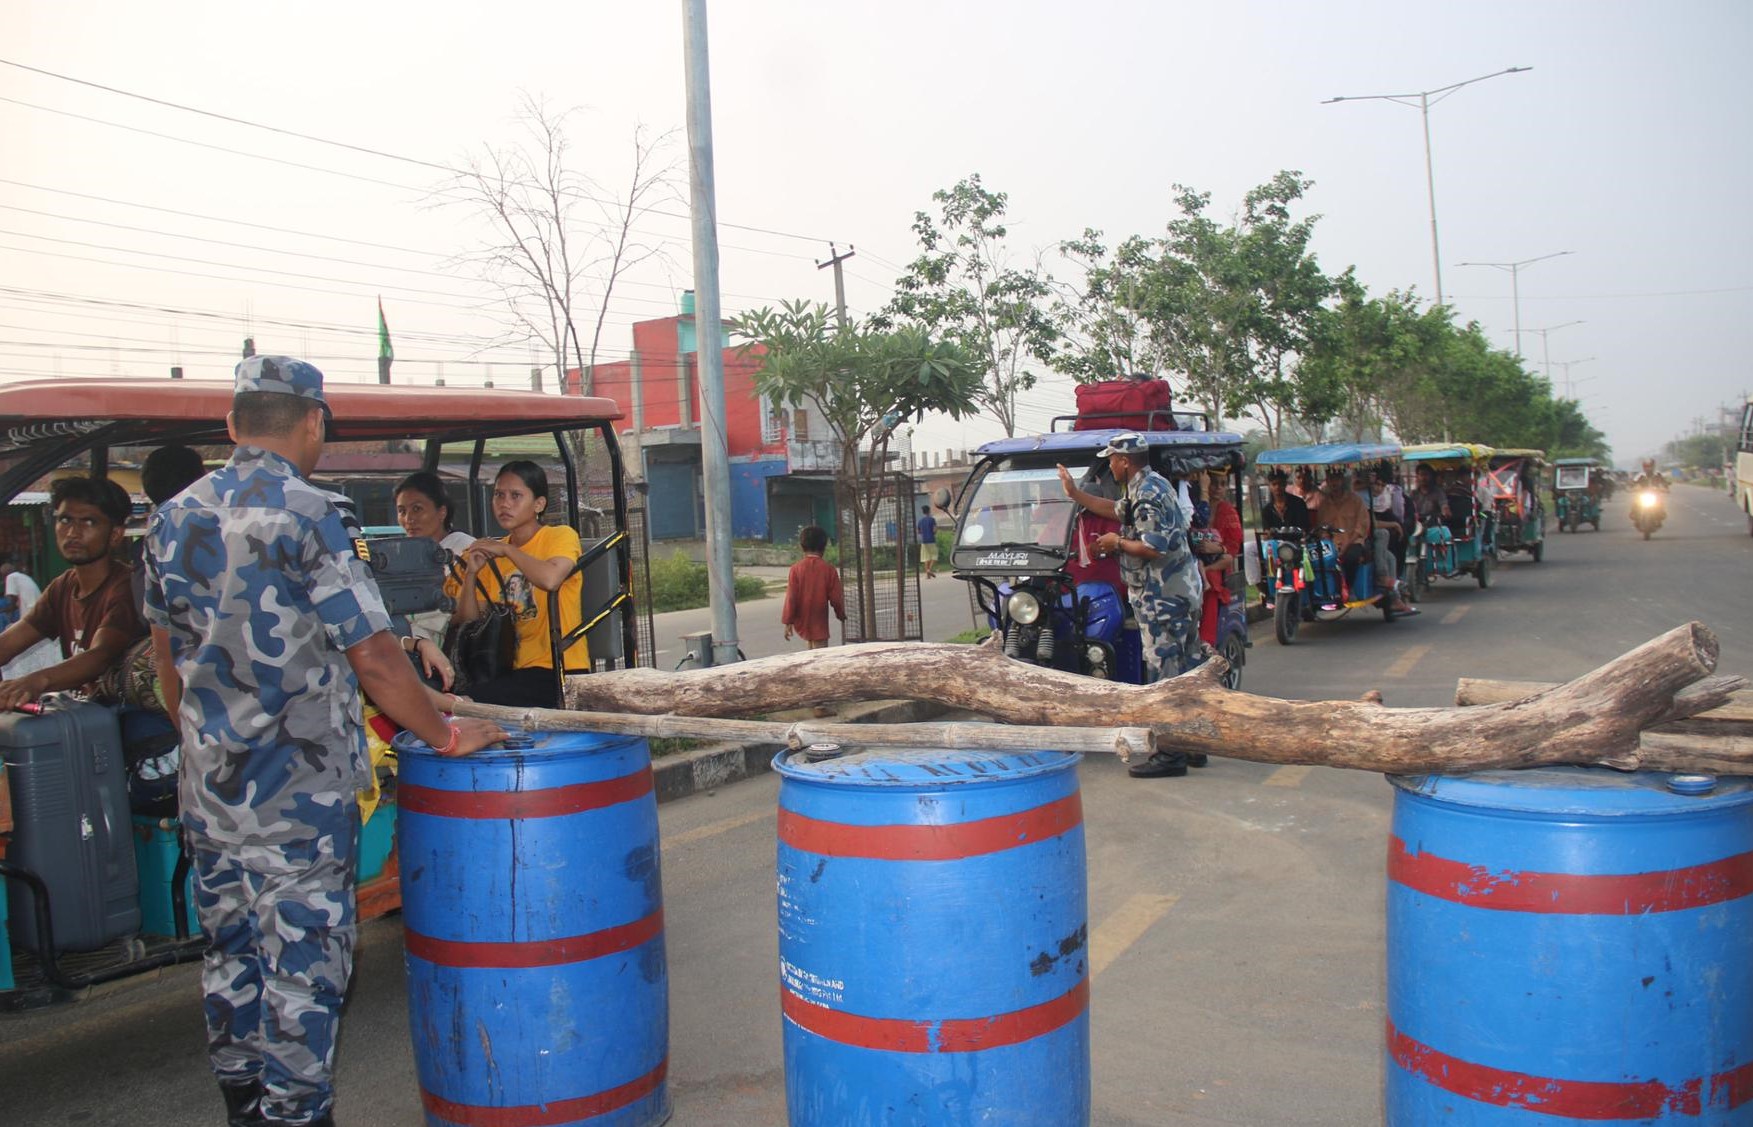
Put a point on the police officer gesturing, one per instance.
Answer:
(259, 602)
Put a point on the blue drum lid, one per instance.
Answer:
(921, 767)
(1599, 791)
(520, 744)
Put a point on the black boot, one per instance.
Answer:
(243, 1102)
(1161, 765)
(1198, 759)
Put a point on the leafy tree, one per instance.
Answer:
(1105, 331)
(865, 382)
(964, 288)
(1701, 451)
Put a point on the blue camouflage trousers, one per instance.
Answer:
(279, 924)
(1167, 631)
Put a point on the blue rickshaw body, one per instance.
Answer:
(1466, 544)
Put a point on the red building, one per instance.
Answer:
(781, 460)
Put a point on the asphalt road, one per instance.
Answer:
(1236, 915)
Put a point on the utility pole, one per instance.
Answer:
(709, 333)
(835, 258)
(1515, 272)
(1545, 353)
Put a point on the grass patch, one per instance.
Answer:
(673, 745)
(970, 637)
(679, 583)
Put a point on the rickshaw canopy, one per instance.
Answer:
(1187, 451)
(1502, 455)
(1450, 453)
(1576, 461)
(1329, 454)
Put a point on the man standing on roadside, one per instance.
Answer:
(266, 625)
(1162, 577)
(926, 527)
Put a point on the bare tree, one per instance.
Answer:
(559, 241)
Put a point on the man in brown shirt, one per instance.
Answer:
(90, 607)
(1346, 512)
(811, 588)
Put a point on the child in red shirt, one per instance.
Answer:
(811, 587)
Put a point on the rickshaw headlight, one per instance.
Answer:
(1096, 658)
(1647, 498)
(1287, 553)
(1023, 608)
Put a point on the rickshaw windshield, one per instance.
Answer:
(1573, 477)
(1018, 508)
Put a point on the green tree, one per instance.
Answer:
(964, 287)
(1700, 451)
(865, 382)
(1105, 333)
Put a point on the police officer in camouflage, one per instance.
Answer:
(266, 626)
(1162, 576)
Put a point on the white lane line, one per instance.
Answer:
(1455, 615)
(1407, 660)
(1122, 929)
(1287, 777)
(712, 829)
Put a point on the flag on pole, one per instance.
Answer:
(385, 353)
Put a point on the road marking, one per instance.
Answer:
(1287, 777)
(1455, 615)
(1407, 660)
(1122, 929)
(712, 829)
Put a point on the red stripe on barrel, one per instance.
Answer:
(951, 1035)
(1590, 894)
(552, 1112)
(1569, 1099)
(946, 842)
(551, 802)
(535, 953)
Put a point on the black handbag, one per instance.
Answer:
(484, 649)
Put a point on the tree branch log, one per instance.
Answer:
(1595, 719)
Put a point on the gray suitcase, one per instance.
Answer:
(70, 809)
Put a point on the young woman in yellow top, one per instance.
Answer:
(532, 560)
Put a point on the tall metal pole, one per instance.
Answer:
(1436, 254)
(1546, 345)
(1515, 269)
(708, 335)
(1424, 102)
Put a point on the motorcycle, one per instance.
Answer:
(1648, 509)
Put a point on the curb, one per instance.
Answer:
(705, 769)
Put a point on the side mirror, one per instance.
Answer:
(940, 498)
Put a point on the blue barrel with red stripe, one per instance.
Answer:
(1570, 945)
(933, 932)
(537, 987)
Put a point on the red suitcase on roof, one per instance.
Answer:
(1125, 405)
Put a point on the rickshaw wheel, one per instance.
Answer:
(1483, 572)
(1286, 617)
(1232, 651)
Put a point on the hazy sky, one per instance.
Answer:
(1626, 144)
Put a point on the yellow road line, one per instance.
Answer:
(712, 829)
(1455, 615)
(1407, 660)
(1287, 776)
(1122, 929)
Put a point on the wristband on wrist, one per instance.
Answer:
(450, 747)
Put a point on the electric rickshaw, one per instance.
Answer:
(1578, 487)
(1302, 577)
(1465, 542)
(1515, 478)
(1024, 548)
(113, 899)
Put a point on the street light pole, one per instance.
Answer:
(1515, 269)
(1545, 353)
(1569, 384)
(1425, 100)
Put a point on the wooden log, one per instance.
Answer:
(1733, 718)
(1128, 743)
(1594, 719)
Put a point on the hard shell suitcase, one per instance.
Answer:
(70, 806)
(410, 572)
(1124, 405)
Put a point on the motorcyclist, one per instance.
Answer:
(1650, 478)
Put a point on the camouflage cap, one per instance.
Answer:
(1129, 443)
(282, 375)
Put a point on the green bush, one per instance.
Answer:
(678, 583)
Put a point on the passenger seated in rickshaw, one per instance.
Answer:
(1432, 507)
(1216, 563)
(1283, 509)
(1349, 518)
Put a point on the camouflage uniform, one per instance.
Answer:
(1165, 592)
(254, 575)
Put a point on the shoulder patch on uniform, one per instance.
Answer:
(362, 549)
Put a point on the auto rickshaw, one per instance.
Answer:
(1578, 486)
(103, 427)
(1515, 477)
(1465, 543)
(1302, 578)
(1023, 547)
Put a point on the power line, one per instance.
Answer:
(336, 144)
